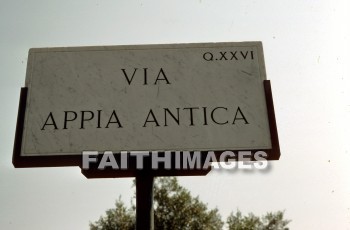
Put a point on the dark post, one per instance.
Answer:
(144, 200)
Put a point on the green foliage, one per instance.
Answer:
(270, 221)
(275, 221)
(176, 209)
(239, 222)
(119, 218)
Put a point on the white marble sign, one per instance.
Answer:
(151, 97)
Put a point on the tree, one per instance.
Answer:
(275, 221)
(270, 221)
(239, 222)
(174, 209)
(119, 218)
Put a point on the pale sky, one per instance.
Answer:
(306, 45)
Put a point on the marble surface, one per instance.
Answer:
(120, 98)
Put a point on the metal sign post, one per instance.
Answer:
(144, 200)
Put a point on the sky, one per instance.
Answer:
(306, 45)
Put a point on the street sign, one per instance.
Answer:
(186, 97)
